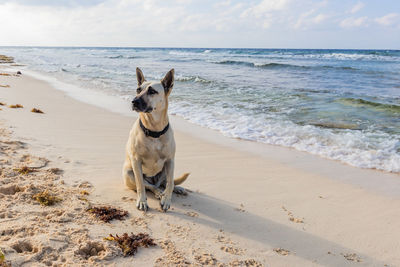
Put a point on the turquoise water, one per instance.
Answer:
(339, 104)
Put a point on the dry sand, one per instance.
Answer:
(250, 204)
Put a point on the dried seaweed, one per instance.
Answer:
(2, 257)
(6, 59)
(5, 86)
(2, 104)
(5, 74)
(16, 106)
(106, 214)
(3, 262)
(36, 110)
(25, 170)
(46, 199)
(130, 244)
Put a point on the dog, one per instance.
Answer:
(150, 150)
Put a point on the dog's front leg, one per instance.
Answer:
(167, 194)
(141, 202)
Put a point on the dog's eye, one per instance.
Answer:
(151, 91)
(138, 90)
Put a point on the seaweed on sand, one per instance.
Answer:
(6, 59)
(16, 106)
(46, 199)
(3, 262)
(2, 257)
(25, 170)
(36, 110)
(130, 244)
(106, 214)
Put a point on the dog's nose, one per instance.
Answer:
(138, 104)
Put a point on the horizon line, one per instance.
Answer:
(188, 47)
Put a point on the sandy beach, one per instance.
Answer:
(249, 204)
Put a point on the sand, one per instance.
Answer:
(249, 204)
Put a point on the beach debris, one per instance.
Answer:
(4, 86)
(282, 251)
(5, 74)
(3, 262)
(2, 257)
(291, 216)
(36, 110)
(106, 214)
(16, 106)
(19, 73)
(25, 170)
(46, 199)
(352, 257)
(2, 104)
(6, 59)
(129, 244)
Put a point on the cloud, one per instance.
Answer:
(354, 22)
(357, 7)
(308, 19)
(265, 7)
(65, 3)
(388, 19)
(253, 23)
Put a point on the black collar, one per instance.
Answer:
(153, 134)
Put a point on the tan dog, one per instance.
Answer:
(150, 151)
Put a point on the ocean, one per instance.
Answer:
(339, 104)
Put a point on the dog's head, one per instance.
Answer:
(152, 96)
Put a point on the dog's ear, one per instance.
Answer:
(168, 81)
(140, 77)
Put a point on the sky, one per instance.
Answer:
(350, 24)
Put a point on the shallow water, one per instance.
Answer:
(339, 104)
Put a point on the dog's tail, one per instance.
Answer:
(181, 179)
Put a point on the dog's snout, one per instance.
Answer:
(135, 101)
(138, 104)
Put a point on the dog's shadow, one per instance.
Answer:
(220, 214)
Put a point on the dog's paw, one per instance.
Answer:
(142, 205)
(180, 190)
(165, 203)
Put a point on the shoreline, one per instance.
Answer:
(366, 147)
(237, 186)
(344, 172)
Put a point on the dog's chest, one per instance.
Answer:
(153, 154)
